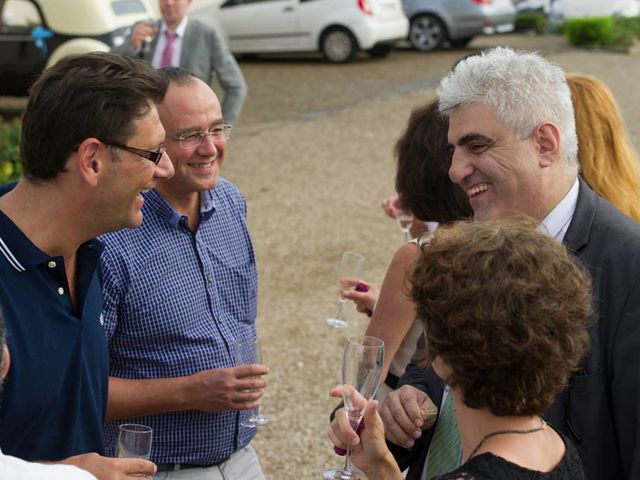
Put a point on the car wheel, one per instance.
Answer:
(461, 42)
(427, 33)
(381, 50)
(338, 45)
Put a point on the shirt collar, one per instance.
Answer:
(178, 31)
(16, 248)
(21, 253)
(154, 200)
(556, 223)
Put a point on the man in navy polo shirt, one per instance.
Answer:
(91, 142)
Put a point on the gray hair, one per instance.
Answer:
(523, 89)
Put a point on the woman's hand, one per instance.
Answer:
(368, 449)
(391, 205)
(364, 294)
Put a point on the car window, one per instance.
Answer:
(19, 16)
(125, 7)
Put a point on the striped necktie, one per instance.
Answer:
(445, 448)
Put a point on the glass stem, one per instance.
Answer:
(340, 307)
(346, 471)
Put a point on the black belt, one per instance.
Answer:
(172, 467)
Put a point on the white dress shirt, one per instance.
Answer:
(177, 44)
(556, 223)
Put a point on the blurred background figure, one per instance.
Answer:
(424, 188)
(610, 164)
(180, 41)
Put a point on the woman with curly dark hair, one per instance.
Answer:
(505, 311)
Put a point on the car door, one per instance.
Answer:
(21, 60)
(260, 25)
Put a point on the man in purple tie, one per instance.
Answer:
(179, 41)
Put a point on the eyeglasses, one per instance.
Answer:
(191, 140)
(149, 155)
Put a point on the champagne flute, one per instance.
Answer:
(405, 220)
(134, 441)
(362, 361)
(248, 351)
(351, 265)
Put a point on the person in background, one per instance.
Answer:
(608, 161)
(513, 136)
(179, 292)
(424, 186)
(180, 41)
(16, 469)
(91, 142)
(504, 356)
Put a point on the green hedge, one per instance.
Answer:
(536, 21)
(602, 31)
(10, 166)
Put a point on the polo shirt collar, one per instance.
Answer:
(154, 200)
(17, 249)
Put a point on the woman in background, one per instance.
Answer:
(609, 163)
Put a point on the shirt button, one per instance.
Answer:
(60, 291)
(51, 264)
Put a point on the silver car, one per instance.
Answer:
(436, 22)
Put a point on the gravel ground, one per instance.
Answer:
(314, 177)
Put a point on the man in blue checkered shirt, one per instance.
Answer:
(179, 292)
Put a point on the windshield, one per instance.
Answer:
(126, 7)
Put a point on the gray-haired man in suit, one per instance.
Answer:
(179, 41)
(515, 149)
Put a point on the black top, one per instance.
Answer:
(488, 466)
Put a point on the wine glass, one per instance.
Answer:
(134, 441)
(351, 265)
(248, 351)
(405, 220)
(362, 360)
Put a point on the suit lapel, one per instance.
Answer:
(580, 227)
(147, 53)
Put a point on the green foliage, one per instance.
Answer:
(590, 32)
(622, 36)
(10, 166)
(536, 21)
(603, 31)
(630, 23)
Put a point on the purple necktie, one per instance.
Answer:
(168, 49)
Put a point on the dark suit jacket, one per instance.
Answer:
(600, 410)
(204, 53)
